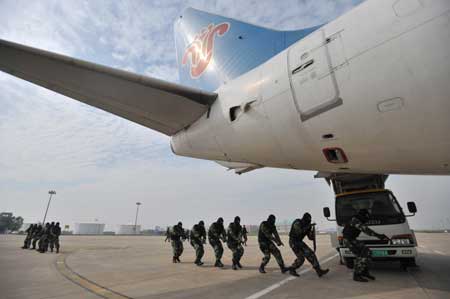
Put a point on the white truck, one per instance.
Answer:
(386, 217)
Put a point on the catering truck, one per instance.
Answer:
(386, 217)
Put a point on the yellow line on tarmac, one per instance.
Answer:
(85, 283)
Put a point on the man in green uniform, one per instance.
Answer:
(198, 238)
(43, 240)
(216, 233)
(27, 241)
(267, 237)
(37, 235)
(235, 240)
(301, 228)
(352, 230)
(244, 235)
(177, 236)
(54, 237)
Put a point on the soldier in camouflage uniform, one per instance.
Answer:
(55, 232)
(198, 238)
(43, 240)
(37, 235)
(351, 231)
(216, 233)
(28, 238)
(299, 229)
(244, 235)
(235, 240)
(267, 235)
(177, 236)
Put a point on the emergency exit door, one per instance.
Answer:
(312, 64)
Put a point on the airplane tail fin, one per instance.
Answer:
(213, 49)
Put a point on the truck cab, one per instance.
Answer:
(386, 217)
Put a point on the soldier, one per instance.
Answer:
(27, 241)
(167, 234)
(301, 228)
(351, 231)
(198, 238)
(177, 236)
(37, 235)
(54, 237)
(43, 240)
(234, 241)
(267, 235)
(244, 234)
(216, 233)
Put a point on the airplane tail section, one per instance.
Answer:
(213, 49)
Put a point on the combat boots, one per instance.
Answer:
(359, 278)
(284, 269)
(293, 272)
(174, 260)
(321, 272)
(239, 264)
(261, 269)
(218, 264)
(367, 274)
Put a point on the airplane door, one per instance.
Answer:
(312, 63)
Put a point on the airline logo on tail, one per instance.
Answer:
(200, 51)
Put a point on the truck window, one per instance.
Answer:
(382, 206)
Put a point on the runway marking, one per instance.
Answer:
(85, 283)
(286, 280)
(439, 252)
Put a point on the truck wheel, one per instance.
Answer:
(349, 262)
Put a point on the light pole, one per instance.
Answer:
(51, 192)
(135, 220)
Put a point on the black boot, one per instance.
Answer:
(220, 264)
(261, 269)
(367, 274)
(178, 260)
(284, 269)
(293, 272)
(234, 267)
(359, 278)
(217, 264)
(321, 272)
(174, 260)
(239, 264)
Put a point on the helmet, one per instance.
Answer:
(307, 218)
(201, 223)
(237, 219)
(271, 219)
(363, 215)
(220, 220)
(180, 224)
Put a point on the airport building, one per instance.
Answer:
(128, 229)
(89, 228)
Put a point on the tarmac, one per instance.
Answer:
(141, 267)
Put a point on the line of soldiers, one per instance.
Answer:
(43, 236)
(235, 236)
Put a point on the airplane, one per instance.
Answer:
(363, 96)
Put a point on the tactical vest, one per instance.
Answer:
(350, 232)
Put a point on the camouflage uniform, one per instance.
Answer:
(244, 235)
(54, 237)
(234, 241)
(267, 235)
(44, 239)
(299, 229)
(177, 236)
(216, 233)
(198, 238)
(37, 235)
(350, 233)
(28, 238)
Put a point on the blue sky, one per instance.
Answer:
(100, 164)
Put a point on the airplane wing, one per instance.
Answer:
(159, 105)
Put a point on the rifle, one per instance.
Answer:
(313, 236)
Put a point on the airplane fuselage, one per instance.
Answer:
(366, 93)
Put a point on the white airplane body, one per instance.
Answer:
(368, 93)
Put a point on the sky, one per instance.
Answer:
(100, 165)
